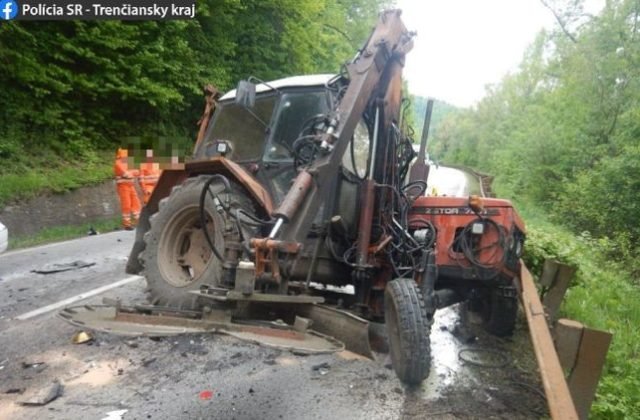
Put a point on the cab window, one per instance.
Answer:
(237, 125)
(295, 110)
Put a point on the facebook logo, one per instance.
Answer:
(8, 9)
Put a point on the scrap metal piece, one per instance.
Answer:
(109, 319)
(160, 322)
(81, 337)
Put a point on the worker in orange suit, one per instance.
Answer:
(149, 175)
(125, 182)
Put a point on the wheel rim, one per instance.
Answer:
(183, 252)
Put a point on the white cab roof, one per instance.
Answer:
(295, 81)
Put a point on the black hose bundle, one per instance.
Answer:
(247, 218)
(203, 217)
(465, 242)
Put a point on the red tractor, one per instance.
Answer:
(475, 241)
(297, 187)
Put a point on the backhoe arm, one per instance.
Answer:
(382, 54)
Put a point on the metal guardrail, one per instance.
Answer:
(559, 398)
(578, 350)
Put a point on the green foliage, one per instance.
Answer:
(70, 88)
(29, 176)
(563, 131)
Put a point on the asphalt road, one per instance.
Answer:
(219, 377)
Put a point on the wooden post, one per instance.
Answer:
(559, 399)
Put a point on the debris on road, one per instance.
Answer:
(35, 367)
(14, 391)
(58, 268)
(147, 362)
(132, 343)
(206, 395)
(323, 365)
(115, 415)
(81, 337)
(321, 368)
(43, 395)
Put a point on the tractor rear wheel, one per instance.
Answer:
(498, 313)
(408, 328)
(177, 258)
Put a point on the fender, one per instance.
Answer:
(173, 177)
(235, 172)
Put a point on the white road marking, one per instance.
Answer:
(54, 244)
(77, 298)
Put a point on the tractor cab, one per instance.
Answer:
(271, 135)
(262, 136)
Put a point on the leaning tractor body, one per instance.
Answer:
(297, 195)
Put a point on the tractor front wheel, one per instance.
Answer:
(408, 328)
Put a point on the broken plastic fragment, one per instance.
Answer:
(206, 395)
(115, 415)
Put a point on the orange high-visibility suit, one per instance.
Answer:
(125, 183)
(149, 175)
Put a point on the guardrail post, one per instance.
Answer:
(582, 352)
(555, 279)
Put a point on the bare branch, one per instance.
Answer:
(560, 21)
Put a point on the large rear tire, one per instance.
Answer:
(498, 312)
(408, 328)
(501, 315)
(177, 258)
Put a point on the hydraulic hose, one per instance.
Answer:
(472, 254)
(203, 218)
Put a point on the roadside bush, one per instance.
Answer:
(605, 295)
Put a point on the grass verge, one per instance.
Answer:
(48, 172)
(62, 233)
